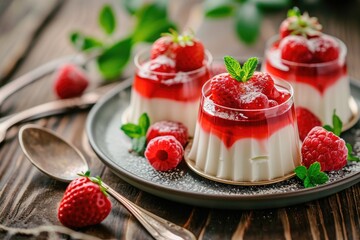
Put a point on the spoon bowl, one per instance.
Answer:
(51, 154)
(61, 160)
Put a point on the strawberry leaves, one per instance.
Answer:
(239, 73)
(137, 132)
(312, 176)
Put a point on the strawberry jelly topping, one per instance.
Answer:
(320, 76)
(180, 86)
(230, 125)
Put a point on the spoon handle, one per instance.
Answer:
(158, 227)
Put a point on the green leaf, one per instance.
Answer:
(107, 19)
(83, 43)
(272, 4)
(151, 12)
(314, 169)
(218, 8)
(247, 22)
(337, 124)
(233, 67)
(151, 31)
(132, 130)
(308, 183)
(144, 123)
(328, 128)
(132, 6)
(321, 178)
(139, 145)
(351, 156)
(301, 172)
(295, 11)
(249, 68)
(113, 60)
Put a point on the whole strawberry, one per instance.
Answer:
(299, 24)
(187, 51)
(164, 153)
(306, 121)
(324, 147)
(70, 81)
(166, 128)
(84, 203)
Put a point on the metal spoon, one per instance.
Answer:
(61, 160)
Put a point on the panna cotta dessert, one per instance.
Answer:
(246, 131)
(315, 65)
(168, 80)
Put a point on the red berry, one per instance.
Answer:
(306, 121)
(164, 153)
(190, 56)
(262, 82)
(254, 100)
(324, 147)
(70, 81)
(166, 128)
(325, 49)
(284, 29)
(225, 90)
(83, 204)
(163, 67)
(295, 49)
(162, 47)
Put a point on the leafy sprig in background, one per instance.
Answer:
(151, 20)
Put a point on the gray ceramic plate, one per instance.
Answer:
(183, 185)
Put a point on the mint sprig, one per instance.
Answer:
(312, 176)
(336, 129)
(137, 132)
(241, 74)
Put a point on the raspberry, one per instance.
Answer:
(225, 90)
(166, 128)
(324, 147)
(164, 153)
(70, 81)
(306, 121)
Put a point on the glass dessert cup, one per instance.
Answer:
(167, 96)
(245, 146)
(319, 87)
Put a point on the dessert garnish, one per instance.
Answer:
(137, 132)
(70, 81)
(324, 147)
(185, 50)
(300, 24)
(243, 87)
(164, 153)
(84, 203)
(166, 128)
(302, 41)
(306, 121)
(162, 143)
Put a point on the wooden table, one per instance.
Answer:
(34, 32)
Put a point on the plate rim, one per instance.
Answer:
(236, 201)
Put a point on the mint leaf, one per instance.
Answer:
(272, 4)
(247, 22)
(295, 11)
(139, 145)
(218, 8)
(132, 6)
(113, 60)
(311, 176)
(132, 130)
(328, 128)
(107, 19)
(249, 68)
(301, 172)
(144, 123)
(233, 67)
(351, 156)
(151, 31)
(83, 43)
(337, 124)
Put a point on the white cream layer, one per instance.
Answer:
(160, 109)
(247, 159)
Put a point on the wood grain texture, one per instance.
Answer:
(29, 199)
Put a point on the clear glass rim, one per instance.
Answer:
(278, 82)
(342, 54)
(138, 65)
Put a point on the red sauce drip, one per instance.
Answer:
(187, 90)
(319, 78)
(229, 131)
